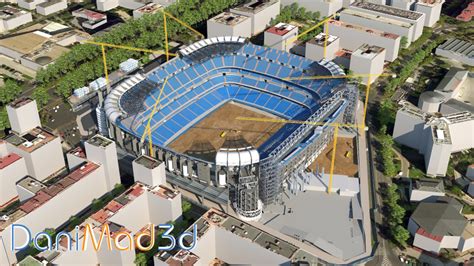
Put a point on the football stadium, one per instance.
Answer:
(195, 128)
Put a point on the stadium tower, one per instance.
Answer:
(237, 164)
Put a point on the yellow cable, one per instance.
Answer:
(166, 37)
(183, 23)
(366, 99)
(326, 36)
(128, 48)
(105, 65)
(153, 112)
(333, 159)
(336, 77)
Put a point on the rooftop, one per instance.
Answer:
(78, 151)
(183, 258)
(89, 14)
(256, 6)
(319, 39)
(47, 193)
(229, 18)
(9, 159)
(99, 141)
(370, 51)
(430, 2)
(50, 3)
(389, 10)
(244, 230)
(150, 8)
(147, 161)
(457, 46)
(362, 28)
(426, 184)
(440, 218)
(373, 17)
(9, 12)
(20, 102)
(31, 184)
(34, 139)
(281, 29)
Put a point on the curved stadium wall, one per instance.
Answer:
(212, 72)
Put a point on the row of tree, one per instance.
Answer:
(395, 216)
(386, 152)
(83, 63)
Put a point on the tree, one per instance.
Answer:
(403, 42)
(96, 205)
(400, 235)
(397, 213)
(4, 123)
(140, 259)
(9, 91)
(186, 206)
(41, 96)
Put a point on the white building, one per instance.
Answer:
(412, 17)
(368, 59)
(426, 189)
(354, 36)
(281, 36)
(102, 150)
(452, 95)
(149, 171)
(12, 169)
(404, 4)
(32, 142)
(30, 4)
(28, 187)
(224, 238)
(433, 135)
(440, 225)
(150, 9)
(11, 18)
(132, 212)
(432, 10)
(51, 6)
(324, 7)
(458, 50)
(229, 24)
(260, 13)
(380, 23)
(89, 19)
(315, 47)
(106, 5)
(52, 206)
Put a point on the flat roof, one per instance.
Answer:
(50, 3)
(31, 184)
(34, 139)
(5, 161)
(373, 17)
(243, 229)
(369, 51)
(362, 28)
(430, 2)
(20, 102)
(255, 6)
(149, 8)
(9, 12)
(78, 151)
(147, 162)
(389, 10)
(99, 141)
(281, 29)
(229, 18)
(45, 194)
(319, 39)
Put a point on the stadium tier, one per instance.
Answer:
(210, 73)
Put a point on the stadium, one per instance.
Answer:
(195, 130)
